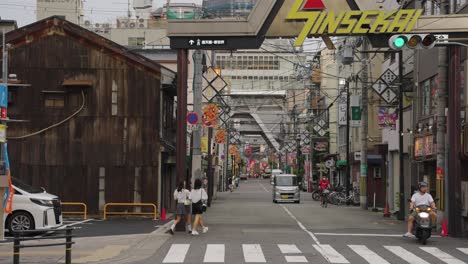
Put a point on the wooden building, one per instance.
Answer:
(99, 119)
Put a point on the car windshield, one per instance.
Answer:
(25, 187)
(286, 181)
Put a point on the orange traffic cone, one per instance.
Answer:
(444, 228)
(387, 210)
(163, 214)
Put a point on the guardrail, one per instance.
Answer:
(154, 213)
(19, 237)
(84, 212)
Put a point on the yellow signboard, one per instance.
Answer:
(204, 145)
(351, 22)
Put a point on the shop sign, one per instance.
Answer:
(423, 146)
(354, 22)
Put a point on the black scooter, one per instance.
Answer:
(422, 227)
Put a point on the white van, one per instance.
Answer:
(33, 208)
(274, 173)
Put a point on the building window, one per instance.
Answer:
(132, 41)
(377, 172)
(428, 88)
(54, 100)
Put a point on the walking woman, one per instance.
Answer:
(188, 209)
(198, 195)
(181, 195)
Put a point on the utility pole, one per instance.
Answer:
(402, 214)
(364, 124)
(197, 108)
(440, 116)
(348, 158)
(209, 172)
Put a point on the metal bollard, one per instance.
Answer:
(16, 248)
(68, 246)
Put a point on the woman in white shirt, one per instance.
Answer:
(181, 195)
(198, 195)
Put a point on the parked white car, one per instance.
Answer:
(33, 208)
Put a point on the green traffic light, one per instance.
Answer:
(399, 42)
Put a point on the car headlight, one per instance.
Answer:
(41, 202)
(423, 215)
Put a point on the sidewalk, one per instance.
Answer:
(99, 249)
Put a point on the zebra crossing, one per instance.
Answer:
(291, 253)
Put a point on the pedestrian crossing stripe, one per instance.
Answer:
(177, 253)
(408, 256)
(330, 254)
(253, 253)
(367, 254)
(442, 255)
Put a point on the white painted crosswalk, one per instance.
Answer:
(442, 255)
(291, 253)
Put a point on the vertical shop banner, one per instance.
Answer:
(387, 116)
(210, 115)
(355, 111)
(220, 136)
(342, 110)
(204, 145)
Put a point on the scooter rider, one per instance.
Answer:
(419, 198)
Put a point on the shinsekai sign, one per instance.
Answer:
(351, 22)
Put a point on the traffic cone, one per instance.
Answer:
(163, 214)
(444, 228)
(387, 210)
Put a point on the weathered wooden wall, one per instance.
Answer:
(66, 159)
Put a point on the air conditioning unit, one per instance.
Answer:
(87, 23)
(97, 25)
(132, 25)
(142, 23)
(106, 25)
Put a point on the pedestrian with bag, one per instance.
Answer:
(199, 197)
(181, 195)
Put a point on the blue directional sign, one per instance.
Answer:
(3, 96)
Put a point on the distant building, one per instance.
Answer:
(71, 10)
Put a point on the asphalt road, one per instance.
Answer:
(246, 227)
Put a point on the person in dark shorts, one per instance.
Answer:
(198, 195)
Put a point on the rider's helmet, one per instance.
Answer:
(422, 184)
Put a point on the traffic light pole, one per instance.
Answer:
(401, 213)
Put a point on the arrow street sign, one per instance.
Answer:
(388, 96)
(379, 86)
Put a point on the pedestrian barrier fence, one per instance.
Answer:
(19, 236)
(84, 212)
(154, 213)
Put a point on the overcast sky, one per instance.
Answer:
(24, 11)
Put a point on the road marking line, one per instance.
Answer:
(253, 253)
(289, 249)
(262, 186)
(330, 254)
(176, 253)
(78, 223)
(301, 225)
(464, 250)
(214, 253)
(445, 257)
(367, 254)
(296, 259)
(406, 255)
(362, 235)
